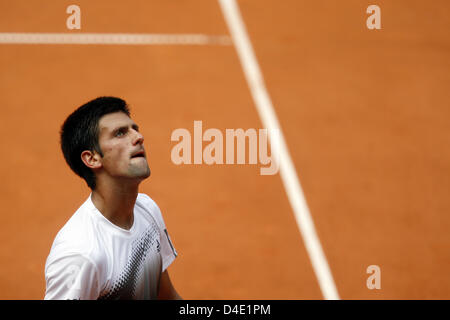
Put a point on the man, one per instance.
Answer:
(116, 245)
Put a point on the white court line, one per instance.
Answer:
(287, 170)
(113, 38)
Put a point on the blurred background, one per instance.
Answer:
(365, 114)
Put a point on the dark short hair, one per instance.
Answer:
(80, 132)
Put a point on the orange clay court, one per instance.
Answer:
(365, 116)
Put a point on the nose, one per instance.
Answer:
(138, 138)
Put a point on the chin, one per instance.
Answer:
(139, 173)
(145, 174)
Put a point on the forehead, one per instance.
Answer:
(113, 120)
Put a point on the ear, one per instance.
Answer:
(91, 159)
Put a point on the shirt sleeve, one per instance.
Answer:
(168, 252)
(72, 277)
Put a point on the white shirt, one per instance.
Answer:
(91, 258)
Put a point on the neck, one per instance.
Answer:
(116, 201)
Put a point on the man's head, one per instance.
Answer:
(99, 138)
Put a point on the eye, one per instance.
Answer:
(120, 132)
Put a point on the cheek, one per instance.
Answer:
(115, 155)
(110, 154)
(107, 150)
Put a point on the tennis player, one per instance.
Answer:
(116, 245)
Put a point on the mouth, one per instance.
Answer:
(139, 154)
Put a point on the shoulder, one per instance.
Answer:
(168, 251)
(145, 202)
(77, 231)
(148, 205)
(72, 276)
(78, 237)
